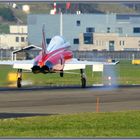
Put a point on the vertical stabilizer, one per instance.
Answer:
(44, 45)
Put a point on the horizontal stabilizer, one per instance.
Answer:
(74, 66)
(19, 64)
(23, 66)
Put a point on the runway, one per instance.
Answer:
(34, 101)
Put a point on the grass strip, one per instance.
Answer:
(114, 124)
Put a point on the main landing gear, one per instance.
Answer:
(61, 73)
(19, 78)
(83, 78)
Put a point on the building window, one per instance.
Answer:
(17, 39)
(78, 22)
(122, 17)
(122, 43)
(22, 39)
(75, 41)
(48, 40)
(90, 29)
(136, 30)
(139, 43)
(111, 45)
(119, 30)
(88, 38)
(108, 29)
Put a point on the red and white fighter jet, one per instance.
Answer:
(56, 57)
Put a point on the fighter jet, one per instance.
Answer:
(56, 57)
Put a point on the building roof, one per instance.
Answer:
(27, 48)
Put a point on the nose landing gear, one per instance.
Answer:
(19, 78)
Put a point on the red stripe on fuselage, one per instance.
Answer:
(57, 56)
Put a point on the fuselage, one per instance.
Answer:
(56, 55)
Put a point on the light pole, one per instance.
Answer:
(61, 22)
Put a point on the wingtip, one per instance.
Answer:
(117, 62)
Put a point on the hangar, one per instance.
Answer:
(26, 53)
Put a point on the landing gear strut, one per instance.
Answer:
(61, 73)
(19, 78)
(83, 78)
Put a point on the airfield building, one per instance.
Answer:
(17, 37)
(108, 32)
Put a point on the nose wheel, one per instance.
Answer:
(19, 78)
(83, 78)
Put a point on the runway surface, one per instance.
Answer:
(34, 101)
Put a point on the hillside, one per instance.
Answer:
(10, 15)
(43, 7)
(115, 8)
(97, 8)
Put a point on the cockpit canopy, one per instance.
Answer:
(57, 42)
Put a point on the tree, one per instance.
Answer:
(7, 14)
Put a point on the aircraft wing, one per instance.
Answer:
(72, 64)
(77, 64)
(19, 64)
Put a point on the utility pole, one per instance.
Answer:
(61, 24)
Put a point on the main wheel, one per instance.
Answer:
(61, 73)
(83, 81)
(19, 82)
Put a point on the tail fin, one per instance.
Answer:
(44, 45)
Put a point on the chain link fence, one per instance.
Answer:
(104, 55)
(6, 54)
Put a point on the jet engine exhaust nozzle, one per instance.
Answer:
(36, 69)
(45, 69)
